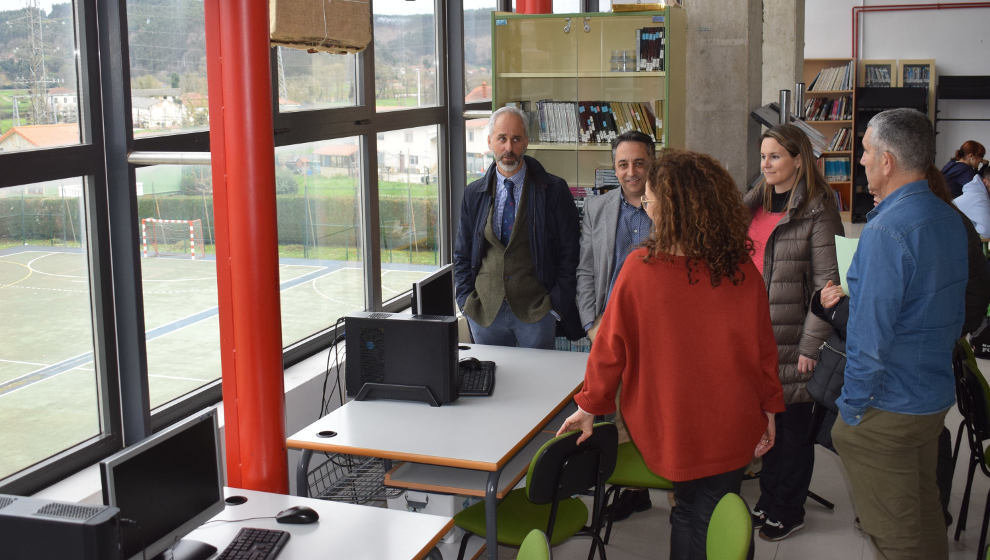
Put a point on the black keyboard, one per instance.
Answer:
(255, 544)
(477, 378)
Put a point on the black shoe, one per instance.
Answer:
(758, 516)
(777, 531)
(629, 502)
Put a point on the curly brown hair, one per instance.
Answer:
(700, 214)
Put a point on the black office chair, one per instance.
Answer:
(973, 397)
(559, 470)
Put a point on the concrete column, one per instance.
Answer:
(724, 82)
(783, 46)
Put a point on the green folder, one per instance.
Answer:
(845, 248)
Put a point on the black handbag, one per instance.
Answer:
(826, 380)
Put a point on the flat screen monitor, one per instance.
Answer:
(434, 295)
(166, 485)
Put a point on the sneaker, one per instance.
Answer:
(759, 517)
(776, 531)
(629, 502)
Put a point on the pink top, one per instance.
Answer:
(759, 231)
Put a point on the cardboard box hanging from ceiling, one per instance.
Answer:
(333, 26)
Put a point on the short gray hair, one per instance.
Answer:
(506, 110)
(907, 135)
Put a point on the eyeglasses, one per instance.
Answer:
(645, 201)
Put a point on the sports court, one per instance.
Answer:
(48, 396)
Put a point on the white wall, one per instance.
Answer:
(958, 40)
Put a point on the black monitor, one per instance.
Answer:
(165, 486)
(434, 295)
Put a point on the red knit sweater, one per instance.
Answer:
(698, 366)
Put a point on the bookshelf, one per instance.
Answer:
(877, 73)
(829, 108)
(584, 78)
(919, 74)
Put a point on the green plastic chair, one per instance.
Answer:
(559, 470)
(534, 547)
(630, 472)
(730, 530)
(973, 399)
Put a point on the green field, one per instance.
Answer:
(48, 390)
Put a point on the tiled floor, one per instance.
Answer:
(826, 535)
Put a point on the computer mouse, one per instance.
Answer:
(298, 515)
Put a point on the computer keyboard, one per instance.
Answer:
(477, 377)
(255, 544)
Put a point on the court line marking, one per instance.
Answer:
(19, 280)
(25, 363)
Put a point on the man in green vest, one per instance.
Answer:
(517, 246)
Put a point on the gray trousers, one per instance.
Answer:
(890, 460)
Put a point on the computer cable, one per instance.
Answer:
(338, 330)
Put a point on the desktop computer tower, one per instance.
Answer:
(33, 528)
(396, 352)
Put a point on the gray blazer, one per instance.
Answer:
(594, 271)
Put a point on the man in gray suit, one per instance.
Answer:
(613, 225)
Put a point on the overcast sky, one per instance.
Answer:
(18, 4)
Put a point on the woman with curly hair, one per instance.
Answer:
(687, 333)
(795, 221)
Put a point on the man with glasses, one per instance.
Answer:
(517, 246)
(613, 225)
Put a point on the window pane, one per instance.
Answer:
(405, 54)
(319, 221)
(168, 66)
(39, 102)
(408, 203)
(48, 386)
(179, 279)
(476, 141)
(478, 50)
(315, 80)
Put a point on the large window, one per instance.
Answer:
(168, 66)
(39, 95)
(108, 281)
(48, 385)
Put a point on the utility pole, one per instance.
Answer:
(39, 81)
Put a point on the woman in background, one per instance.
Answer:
(960, 169)
(795, 221)
(687, 332)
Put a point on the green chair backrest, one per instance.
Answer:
(979, 404)
(730, 529)
(534, 547)
(575, 468)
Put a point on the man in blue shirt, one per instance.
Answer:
(613, 225)
(907, 286)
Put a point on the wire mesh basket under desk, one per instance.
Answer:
(349, 478)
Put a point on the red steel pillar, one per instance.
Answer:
(243, 160)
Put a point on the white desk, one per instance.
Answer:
(345, 531)
(477, 433)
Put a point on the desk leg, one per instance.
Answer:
(491, 525)
(302, 473)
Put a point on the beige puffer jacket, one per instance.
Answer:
(799, 259)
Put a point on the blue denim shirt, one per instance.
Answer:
(907, 285)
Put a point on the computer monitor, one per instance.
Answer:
(434, 295)
(165, 486)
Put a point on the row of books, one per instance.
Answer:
(826, 109)
(916, 75)
(591, 121)
(836, 78)
(650, 43)
(835, 169)
(877, 75)
(841, 140)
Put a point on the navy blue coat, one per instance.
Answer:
(554, 239)
(956, 175)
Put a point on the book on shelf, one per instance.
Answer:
(826, 109)
(590, 122)
(878, 75)
(650, 45)
(834, 78)
(916, 75)
(605, 180)
(841, 140)
(835, 169)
